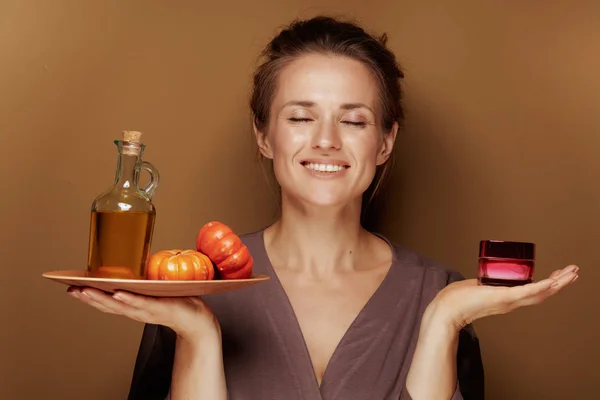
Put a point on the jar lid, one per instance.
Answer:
(504, 249)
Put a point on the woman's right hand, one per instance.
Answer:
(198, 370)
(189, 317)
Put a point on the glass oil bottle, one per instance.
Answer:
(122, 218)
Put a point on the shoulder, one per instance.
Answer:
(434, 275)
(405, 257)
(253, 239)
(415, 259)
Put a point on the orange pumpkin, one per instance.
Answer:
(173, 265)
(231, 257)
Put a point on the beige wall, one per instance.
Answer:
(503, 126)
(503, 141)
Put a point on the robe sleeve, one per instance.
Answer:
(470, 385)
(469, 365)
(154, 364)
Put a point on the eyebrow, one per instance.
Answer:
(352, 106)
(302, 103)
(310, 104)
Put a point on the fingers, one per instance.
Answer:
(137, 307)
(111, 305)
(561, 278)
(141, 308)
(556, 273)
(84, 297)
(536, 293)
(565, 270)
(133, 300)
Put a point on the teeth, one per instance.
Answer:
(324, 167)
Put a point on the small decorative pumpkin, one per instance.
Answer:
(231, 257)
(186, 265)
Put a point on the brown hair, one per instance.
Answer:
(331, 36)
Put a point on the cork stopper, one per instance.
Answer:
(132, 136)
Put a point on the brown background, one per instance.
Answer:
(502, 141)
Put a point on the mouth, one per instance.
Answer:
(328, 167)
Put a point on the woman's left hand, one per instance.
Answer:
(456, 306)
(463, 302)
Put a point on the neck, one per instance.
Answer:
(126, 170)
(319, 241)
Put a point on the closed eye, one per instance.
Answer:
(299, 119)
(359, 124)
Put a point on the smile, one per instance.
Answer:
(332, 168)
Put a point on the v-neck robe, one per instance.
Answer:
(265, 355)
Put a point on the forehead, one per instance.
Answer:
(326, 80)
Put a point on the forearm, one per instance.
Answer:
(198, 369)
(432, 373)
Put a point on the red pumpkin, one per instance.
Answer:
(173, 265)
(226, 250)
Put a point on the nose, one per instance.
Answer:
(326, 136)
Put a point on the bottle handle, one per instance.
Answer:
(154, 178)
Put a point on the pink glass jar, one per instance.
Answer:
(504, 263)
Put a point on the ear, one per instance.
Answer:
(387, 145)
(262, 140)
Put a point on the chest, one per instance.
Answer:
(326, 310)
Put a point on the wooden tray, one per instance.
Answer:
(154, 288)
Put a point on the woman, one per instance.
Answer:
(346, 315)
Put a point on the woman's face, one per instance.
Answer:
(324, 135)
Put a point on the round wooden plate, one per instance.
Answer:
(153, 288)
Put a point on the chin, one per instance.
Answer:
(326, 202)
(322, 199)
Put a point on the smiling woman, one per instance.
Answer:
(348, 314)
(325, 115)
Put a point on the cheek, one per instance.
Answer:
(285, 146)
(365, 149)
(287, 142)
